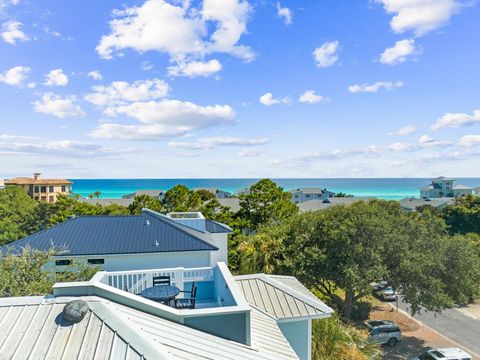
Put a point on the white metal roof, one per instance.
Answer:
(282, 297)
(33, 328)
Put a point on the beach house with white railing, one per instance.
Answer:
(257, 317)
(146, 241)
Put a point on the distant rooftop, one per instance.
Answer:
(36, 181)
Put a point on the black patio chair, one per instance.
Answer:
(161, 280)
(187, 303)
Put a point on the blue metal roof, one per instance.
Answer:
(149, 232)
(216, 227)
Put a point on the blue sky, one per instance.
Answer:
(236, 88)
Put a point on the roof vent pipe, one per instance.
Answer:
(75, 311)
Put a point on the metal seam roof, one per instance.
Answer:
(289, 299)
(104, 235)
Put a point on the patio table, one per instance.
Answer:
(161, 293)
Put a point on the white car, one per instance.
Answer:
(383, 332)
(453, 353)
(387, 294)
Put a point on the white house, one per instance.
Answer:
(306, 194)
(158, 194)
(114, 321)
(146, 241)
(476, 191)
(444, 187)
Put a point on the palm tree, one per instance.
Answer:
(97, 194)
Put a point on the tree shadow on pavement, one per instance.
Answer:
(409, 347)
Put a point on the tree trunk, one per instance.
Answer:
(347, 309)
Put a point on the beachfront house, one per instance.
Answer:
(146, 241)
(42, 189)
(219, 194)
(306, 194)
(444, 187)
(257, 317)
(476, 191)
(158, 194)
(413, 204)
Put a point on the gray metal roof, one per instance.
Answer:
(310, 190)
(33, 328)
(314, 205)
(153, 193)
(149, 232)
(278, 298)
(233, 203)
(107, 201)
(413, 203)
(461, 187)
(216, 227)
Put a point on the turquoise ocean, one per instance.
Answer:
(389, 189)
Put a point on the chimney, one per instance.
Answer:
(36, 175)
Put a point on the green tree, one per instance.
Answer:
(25, 274)
(464, 216)
(181, 198)
(18, 216)
(145, 201)
(341, 250)
(334, 340)
(266, 204)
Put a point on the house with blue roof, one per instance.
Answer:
(146, 241)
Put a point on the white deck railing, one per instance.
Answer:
(137, 280)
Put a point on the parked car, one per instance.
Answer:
(383, 332)
(453, 353)
(378, 285)
(387, 293)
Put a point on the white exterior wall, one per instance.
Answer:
(300, 196)
(299, 335)
(148, 261)
(220, 240)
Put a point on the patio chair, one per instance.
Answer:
(161, 280)
(187, 303)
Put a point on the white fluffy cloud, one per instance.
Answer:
(420, 16)
(95, 75)
(405, 131)
(249, 153)
(28, 145)
(455, 120)
(285, 13)
(12, 31)
(195, 68)
(58, 106)
(424, 139)
(400, 52)
(121, 92)
(56, 78)
(182, 31)
(469, 140)
(373, 88)
(212, 142)
(327, 54)
(267, 99)
(310, 97)
(15, 76)
(163, 118)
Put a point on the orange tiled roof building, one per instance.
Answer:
(42, 189)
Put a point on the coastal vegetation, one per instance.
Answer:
(432, 256)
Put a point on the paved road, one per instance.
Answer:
(454, 324)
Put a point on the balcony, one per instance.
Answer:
(221, 308)
(212, 289)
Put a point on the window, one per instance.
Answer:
(308, 195)
(43, 189)
(50, 189)
(63, 262)
(296, 196)
(44, 198)
(96, 261)
(51, 199)
(36, 189)
(36, 197)
(64, 188)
